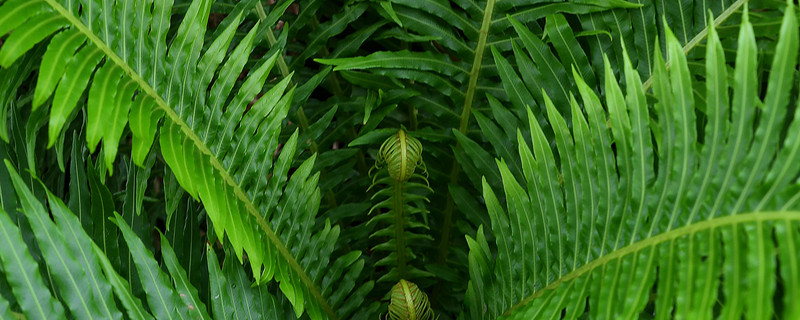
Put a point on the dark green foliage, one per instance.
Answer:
(176, 159)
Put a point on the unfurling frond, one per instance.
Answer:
(402, 154)
(409, 302)
(404, 203)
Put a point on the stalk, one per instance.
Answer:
(398, 207)
(466, 113)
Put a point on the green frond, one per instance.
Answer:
(444, 67)
(23, 275)
(598, 164)
(219, 143)
(403, 202)
(84, 276)
(122, 288)
(186, 291)
(161, 296)
(86, 299)
(408, 302)
(402, 154)
(607, 224)
(237, 298)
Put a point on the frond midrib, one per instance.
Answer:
(658, 239)
(226, 176)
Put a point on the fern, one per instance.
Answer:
(409, 303)
(462, 30)
(215, 155)
(401, 154)
(194, 151)
(665, 228)
(84, 275)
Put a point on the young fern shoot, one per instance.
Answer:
(409, 303)
(403, 194)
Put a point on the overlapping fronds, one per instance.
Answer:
(85, 279)
(217, 135)
(462, 31)
(627, 187)
(544, 52)
(444, 73)
(428, 61)
(680, 208)
(689, 21)
(544, 62)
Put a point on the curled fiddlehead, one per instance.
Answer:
(402, 154)
(403, 192)
(409, 303)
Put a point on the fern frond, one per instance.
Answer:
(86, 299)
(77, 262)
(606, 224)
(218, 146)
(408, 302)
(401, 154)
(544, 53)
(122, 289)
(23, 275)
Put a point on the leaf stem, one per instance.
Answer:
(477, 63)
(262, 15)
(466, 113)
(398, 206)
